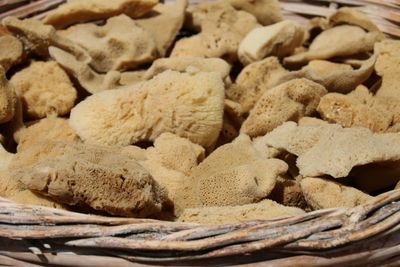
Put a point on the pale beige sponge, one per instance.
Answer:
(329, 149)
(279, 39)
(254, 80)
(44, 88)
(164, 23)
(287, 102)
(120, 44)
(264, 210)
(100, 177)
(73, 12)
(323, 193)
(8, 99)
(222, 30)
(361, 108)
(351, 16)
(266, 11)
(189, 105)
(11, 51)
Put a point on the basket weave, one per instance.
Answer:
(368, 235)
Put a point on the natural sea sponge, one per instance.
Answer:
(120, 44)
(101, 177)
(38, 37)
(335, 77)
(361, 108)
(222, 30)
(254, 80)
(288, 192)
(164, 23)
(44, 88)
(329, 149)
(264, 210)
(279, 40)
(7, 98)
(397, 186)
(51, 128)
(132, 77)
(346, 15)
(190, 106)
(322, 193)
(330, 43)
(266, 11)
(287, 102)
(11, 51)
(90, 10)
(28, 197)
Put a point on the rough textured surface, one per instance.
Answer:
(288, 192)
(190, 106)
(222, 29)
(51, 128)
(254, 80)
(189, 65)
(361, 108)
(330, 44)
(28, 197)
(11, 51)
(329, 149)
(44, 88)
(264, 210)
(287, 102)
(38, 37)
(279, 40)
(7, 98)
(322, 193)
(100, 177)
(164, 23)
(89, 10)
(388, 66)
(111, 45)
(266, 11)
(346, 15)
(132, 77)
(335, 77)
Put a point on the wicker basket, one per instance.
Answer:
(368, 235)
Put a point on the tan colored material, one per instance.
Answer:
(397, 186)
(132, 77)
(346, 15)
(254, 80)
(38, 37)
(322, 193)
(44, 88)
(266, 11)
(330, 43)
(30, 198)
(51, 128)
(361, 108)
(89, 10)
(120, 44)
(164, 23)
(11, 51)
(100, 177)
(311, 120)
(288, 192)
(279, 40)
(264, 210)
(9, 185)
(222, 30)
(332, 150)
(7, 98)
(287, 102)
(190, 106)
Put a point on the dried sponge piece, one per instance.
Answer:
(190, 106)
(360, 108)
(101, 177)
(335, 77)
(264, 210)
(11, 51)
(8, 99)
(51, 128)
(190, 65)
(164, 23)
(388, 66)
(266, 11)
(279, 40)
(330, 43)
(322, 193)
(288, 192)
(28, 197)
(89, 10)
(329, 149)
(9, 185)
(254, 80)
(222, 30)
(346, 15)
(287, 102)
(38, 37)
(44, 88)
(397, 186)
(120, 44)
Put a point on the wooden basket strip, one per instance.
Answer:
(34, 7)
